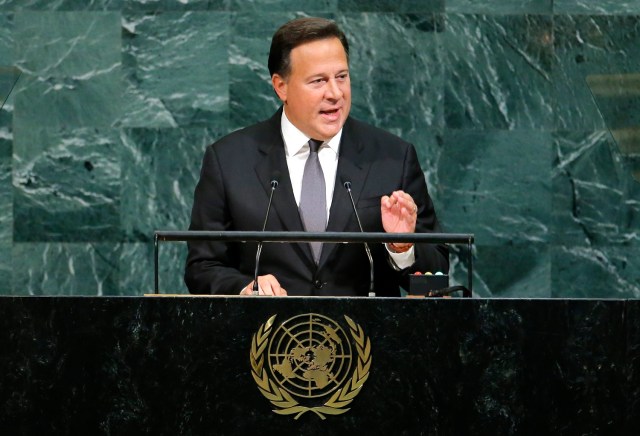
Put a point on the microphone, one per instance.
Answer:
(274, 184)
(347, 186)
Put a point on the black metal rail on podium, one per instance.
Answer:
(334, 237)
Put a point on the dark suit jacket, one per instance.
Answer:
(233, 193)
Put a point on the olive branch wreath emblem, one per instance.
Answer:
(283, 401)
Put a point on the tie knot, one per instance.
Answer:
(314, 145)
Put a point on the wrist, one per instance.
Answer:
(399, 247)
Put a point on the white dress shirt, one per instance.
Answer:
(296, 146)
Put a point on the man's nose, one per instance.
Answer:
(333, 89)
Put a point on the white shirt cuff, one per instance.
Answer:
(400, 261)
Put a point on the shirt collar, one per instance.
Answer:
(295, 140)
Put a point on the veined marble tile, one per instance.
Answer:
(159, 173)
(428, 144)
(506, 271)
(176, 5)
(596, 7)
(519, 7)
(137, 268)
(65, 269)
(599, 271)
(496, 184)
(6, 40)
(401, 6)
(6, 148)
(66, 185)
(60, 103)
(498, 71)
(77, 45)
(62, 5)
(595, 199)
(176, 66)
(396, 69)
(251, 96)
(587, 45)
(6, 131)
(71, 69)
(308, 6)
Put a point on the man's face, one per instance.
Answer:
(317, 91)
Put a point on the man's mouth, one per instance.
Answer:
(331, 113)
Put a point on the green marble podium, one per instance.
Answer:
(187, 365)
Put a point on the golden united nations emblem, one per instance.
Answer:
(307, 364)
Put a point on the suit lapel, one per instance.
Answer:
(353, 166)
(274, 164)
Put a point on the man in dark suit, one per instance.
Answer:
(312, 146)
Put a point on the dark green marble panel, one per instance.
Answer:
(587, 45)
(401, 6)
(428, 144)
(67, 185)
(509, 271)
(71, 69)
(595, 200)
(596, 271)
(251, 96)
(157, 71)
(160, 169)
(6, 41)
(396, 69)
(175, 5)
(62, 5)
(498, 71)
(596, 7)
(67, 44)
(310, 7)
(500, 7)
(66, 269)
(6, 136)
(67, 102)
(176, 66)
(6, 149)
(496, 184)
(137, 268)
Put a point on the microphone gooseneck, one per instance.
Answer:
(347, 186)
(274, 185)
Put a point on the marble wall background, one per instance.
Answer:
(102, 138)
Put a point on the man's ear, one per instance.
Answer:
(280, 87)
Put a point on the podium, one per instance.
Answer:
(183, 365)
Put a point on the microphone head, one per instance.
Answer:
(345, 182)
(275, 178)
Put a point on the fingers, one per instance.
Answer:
(401, 200)
(267, 285)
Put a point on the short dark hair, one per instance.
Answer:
(297, 32)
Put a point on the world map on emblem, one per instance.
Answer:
(310, 356)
